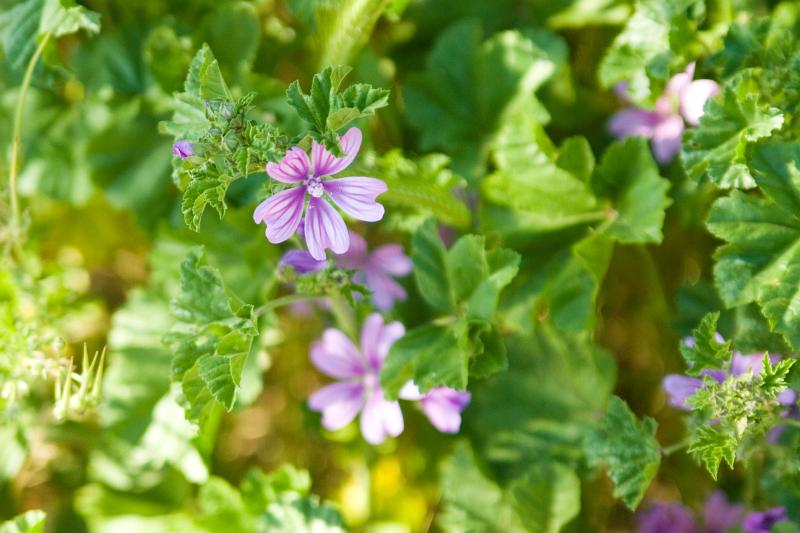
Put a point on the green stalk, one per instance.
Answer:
(283, 300)
(12, 176)
(344, 316)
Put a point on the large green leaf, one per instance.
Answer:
(29, 522)
(761, 258)
(470, 87)
(211, 338)
(628, 447)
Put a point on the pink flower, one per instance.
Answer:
(323, 226)
(683, 99)
(302, 262)
(377, 269)
(182, 149)
(442, 405)
(358, 389)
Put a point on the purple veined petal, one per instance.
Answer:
(665, 518)
(762, 522)
(680, 388)
(302, 262)
(324, 228)
(384, 289)
(632, 122)
(666, 140)
(443, 406)
(380, 418)
(325, 163)
(336, 356)
(377, 337)
(182, 149)
(355, 258)
(356, 196)
(292, 168)
(282, 213)
(339, 403)
(693, 99)
(411, 392)
(391, 259)
(718, 515)
(390, 333)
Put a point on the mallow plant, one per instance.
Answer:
(422, 265)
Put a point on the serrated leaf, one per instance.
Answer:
(711, 446)
(628, 447)
(772, 379)
(717, 148)
(547, 497)
(629, 176)
(706, 352)
(211, 338)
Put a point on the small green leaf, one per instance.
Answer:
(706, 352)
(710, 446)
(430, 268)
(628, 447)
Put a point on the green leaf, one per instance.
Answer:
(760, 259)
(706, 352)
(306, 515)
(211, 338)
(717, 148)
(547, 497)
(628, 174)
(773, 378)
(28, 522)
(344, 27)
(234, 31)
(628, 447)
(710, 446)
(470, 87)
(430, 267)
(645, 43)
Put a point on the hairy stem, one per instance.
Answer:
(283, 300)
(12, 175)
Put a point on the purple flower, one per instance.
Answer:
(442, 405)
(683, 99)
(182, 149)
(323, 226)
(302, 262)
(358, 372)
(680, 388)
(665, 518)
(719, 516)
(377, 268)
(762, 522)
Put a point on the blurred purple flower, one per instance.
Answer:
(302, 262)
(358, 372)
(182, 149)
(719, 515)
(323, 226)
(762, 522)
(377, 268)
(683, 99)
(666, 518)
(442, 405)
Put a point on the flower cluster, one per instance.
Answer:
(358, 389)
(683, 100)
(719, 516)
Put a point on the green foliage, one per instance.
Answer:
(628, 447)
(471, 86)
(329, 107)
(710, 446)
(344, 27)
(757, 263)
(646, 46)
(706, 352)
(463, 283)
(29, 522)
(210, 340)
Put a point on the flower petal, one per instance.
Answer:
(380, 418)
(282, 213)
(325, 163)
(679, 82)
(693, 98)
(324, 228)
(667, 137)
(384, 289)
(410, 391)
(443, 406)
(292, 168)
(356, 196)
(336, 356)
(631, 122)
(377, 338)
(338, 402)
(391, 259)
(302, 262)
(356, 256)
(680, 388)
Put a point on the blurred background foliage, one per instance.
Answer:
(501, 88)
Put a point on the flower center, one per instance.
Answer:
(315, 187)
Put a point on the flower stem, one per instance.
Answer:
(343, 315)
(669, 450)
(283, 300)
(12, 176)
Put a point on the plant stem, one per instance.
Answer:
(669, 450)
(12, 176)
(344, 317)
(283, 300)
